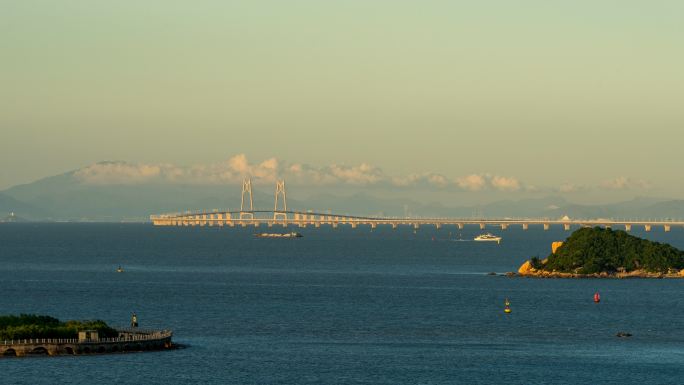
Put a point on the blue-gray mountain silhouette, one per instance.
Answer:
(66, 197)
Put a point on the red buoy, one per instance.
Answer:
(597, 297)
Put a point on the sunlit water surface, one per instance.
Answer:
(337, 307)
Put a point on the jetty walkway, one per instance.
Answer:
(128, 340)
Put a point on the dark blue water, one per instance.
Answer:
(337, 307)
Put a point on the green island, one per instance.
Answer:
(605, 253)
(26, 326)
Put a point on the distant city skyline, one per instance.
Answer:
(485, 100)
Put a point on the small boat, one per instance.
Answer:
(487, 238)
(279, 235)
(597, 297)
(119, 269)
(507, 306)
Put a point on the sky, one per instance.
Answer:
(582, 98)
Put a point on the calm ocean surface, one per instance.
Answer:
(337, 307)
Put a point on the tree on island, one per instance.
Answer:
(597, 250)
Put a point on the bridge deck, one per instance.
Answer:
(258, 217)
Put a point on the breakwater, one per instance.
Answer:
(128, 340)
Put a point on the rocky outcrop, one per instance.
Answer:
(526, 270)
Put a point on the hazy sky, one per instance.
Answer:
(567, 95)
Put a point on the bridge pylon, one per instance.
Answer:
(280, 191)
(247, 189)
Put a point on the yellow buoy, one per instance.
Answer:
(507, 306)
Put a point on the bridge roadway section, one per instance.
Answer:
(304, 219)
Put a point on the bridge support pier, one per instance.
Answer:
(628, 227)
(482, 226)
(526, 226)
(504, 226)
(460, 226)
(246, 215)
(647, 228)
(546, 226)
(667, 228)
(566, 227)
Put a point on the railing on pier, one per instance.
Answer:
(129, 335)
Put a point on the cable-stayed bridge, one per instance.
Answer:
(281, 216)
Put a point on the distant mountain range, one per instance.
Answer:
(66, 198)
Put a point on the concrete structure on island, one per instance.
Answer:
(88, 342)
(281, 216)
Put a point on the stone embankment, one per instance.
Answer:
(128, 340)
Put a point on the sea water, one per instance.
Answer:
(338, 306)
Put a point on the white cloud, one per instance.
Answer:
(472, 182)
(505, 183)
(424, 179)
(231, 171)
(361, 174)
(234, 169)
(478, 182)
(119, 173)
(303, 173)
(239, 164)
(625, 183)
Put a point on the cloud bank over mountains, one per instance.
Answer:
(238, 167)
(113, 191)
(268, 171)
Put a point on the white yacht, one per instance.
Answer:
(279, 235)
(488, 238)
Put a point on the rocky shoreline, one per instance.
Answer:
(526, 270)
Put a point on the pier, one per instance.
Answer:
(128, 340)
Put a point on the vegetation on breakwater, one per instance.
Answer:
(25, 326)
